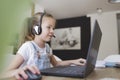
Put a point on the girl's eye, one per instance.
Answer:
(48, 27)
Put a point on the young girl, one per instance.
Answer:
(36, 54)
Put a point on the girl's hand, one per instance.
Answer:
(21, 75)
(80, 62)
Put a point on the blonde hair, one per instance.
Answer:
(27, 33)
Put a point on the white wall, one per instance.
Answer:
(38, 8)
(108, 24)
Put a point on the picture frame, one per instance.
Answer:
(85, 32)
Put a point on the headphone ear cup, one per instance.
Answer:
(36, 30)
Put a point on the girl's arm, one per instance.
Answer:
(16, 62)
(14, 71)
(13, 67)
(80, 62)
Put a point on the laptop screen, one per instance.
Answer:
(93, 48)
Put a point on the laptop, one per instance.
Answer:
(80, 71)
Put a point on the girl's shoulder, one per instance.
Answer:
(26, 44)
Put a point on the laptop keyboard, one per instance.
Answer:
(70, 69)
(65, 70)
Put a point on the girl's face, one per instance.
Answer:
(48, 26)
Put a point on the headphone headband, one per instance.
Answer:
(41, 17)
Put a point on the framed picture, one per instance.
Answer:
(72, 38)
(67, 39)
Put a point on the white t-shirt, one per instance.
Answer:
(29, 51)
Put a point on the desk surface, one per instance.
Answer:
(97, 74)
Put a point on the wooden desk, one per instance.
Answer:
(97, 74)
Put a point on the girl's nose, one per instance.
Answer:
(52, 31)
